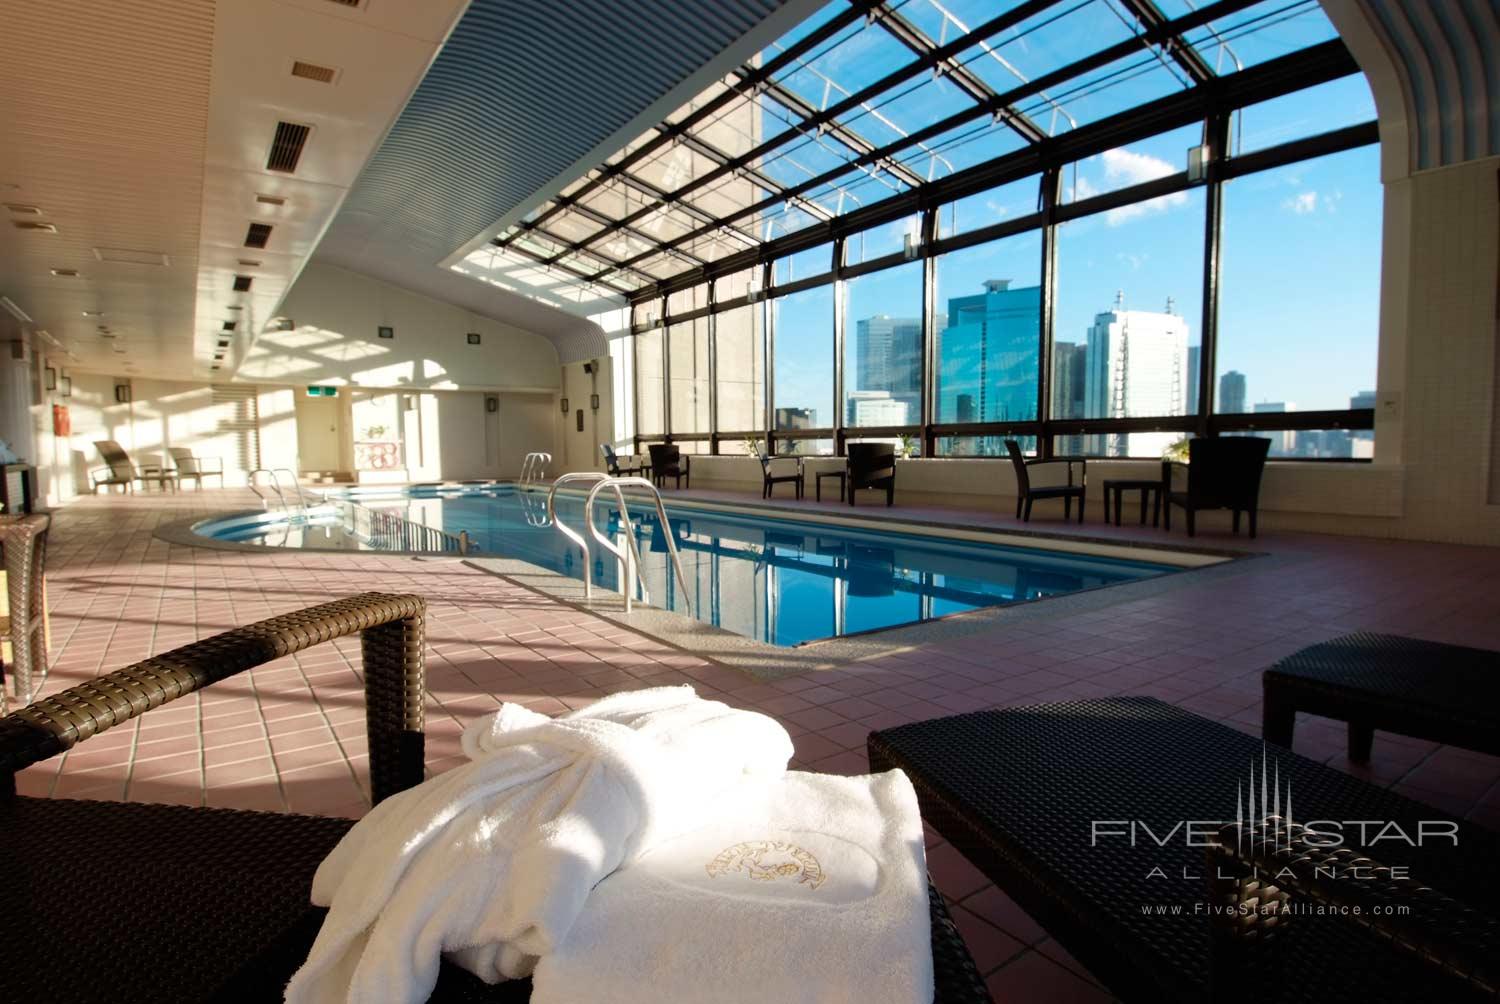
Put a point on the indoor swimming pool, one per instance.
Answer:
(770, 576)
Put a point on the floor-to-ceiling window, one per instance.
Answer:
(802, 329)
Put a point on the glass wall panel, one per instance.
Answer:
(1129, 306)
(802, 325)
(1299, 288)
(1334, 105)
(803, 265)
(739, 335)
(883, 347)
(1318, 444)
(688, 344)
(804, 447)
(987, 316)
(1155, 157)
(982, 446)
(998, 205)
(889, 239)
(650, 406)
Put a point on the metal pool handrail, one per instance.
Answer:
(534, 467)
(630, 555)
(413, 536)
(568, 531)
(275, 486)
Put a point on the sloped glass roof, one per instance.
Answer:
(844, 111)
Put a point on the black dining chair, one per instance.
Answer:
(1026, 494)
(1223, 472)
(872, 465)
(770, 477)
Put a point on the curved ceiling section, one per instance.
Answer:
(521, 92)
(1446, 57)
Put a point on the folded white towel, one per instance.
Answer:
(492, 861)
(810, 888)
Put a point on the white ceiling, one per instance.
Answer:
(145, 125)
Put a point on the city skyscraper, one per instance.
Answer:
(876, 408)
(888, 357)
(1069, 382)
(1195, 353)
(1232, 393)
(987, 352)
(1283, 444)
(1137, 360)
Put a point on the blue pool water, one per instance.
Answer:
(776, 580)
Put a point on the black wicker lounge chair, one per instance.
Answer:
(1026, 494)
(1097, 817)
(1223, 472)
(872, 465)
(128, 902)
(667, 462)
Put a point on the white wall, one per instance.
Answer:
(580, 450)
(337, 316)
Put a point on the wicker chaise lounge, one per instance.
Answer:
(1099, 818)
(120, 902)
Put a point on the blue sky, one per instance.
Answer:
(1301, 249)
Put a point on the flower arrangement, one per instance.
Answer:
(1177, 453)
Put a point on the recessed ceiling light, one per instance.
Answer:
(66, 273)
(93, 313)
(270, 200)
(21, 209)
(248, 263)
(46, 228)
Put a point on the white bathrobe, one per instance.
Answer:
(808, 889)
(491, 862)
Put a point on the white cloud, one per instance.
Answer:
(1135, 261)
(1302, 203)
(1124, 168)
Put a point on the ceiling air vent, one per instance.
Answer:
(242, 283)
(270, 200)
(257, 235)
(46, 228)
(286, 147)
(249, 263)
(229, 325)
(312, 71)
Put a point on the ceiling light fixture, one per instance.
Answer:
(248, 263)
(46, 228)
(66, 273)
(20, 209)
(93, 313)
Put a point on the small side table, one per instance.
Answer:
(842, 474)
(1150, 490)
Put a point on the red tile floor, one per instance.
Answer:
(289, 736)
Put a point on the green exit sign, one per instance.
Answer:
(322, 392)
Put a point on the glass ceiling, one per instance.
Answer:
(859, 103)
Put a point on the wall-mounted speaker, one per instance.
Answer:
(122, 393)
(588, 367)
(491, 404)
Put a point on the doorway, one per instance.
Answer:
(320, 435)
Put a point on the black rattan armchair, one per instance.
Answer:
(667, 462)
(1026, 494)
(872, 465)
(1222, 473)
(123, 902)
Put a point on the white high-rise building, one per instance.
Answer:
(876, 408)
(1137, 368)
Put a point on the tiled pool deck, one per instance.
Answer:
(289, 736)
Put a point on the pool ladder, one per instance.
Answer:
(534, 467)
(629, 555)
(275, 478)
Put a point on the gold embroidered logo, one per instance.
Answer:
(768, 861)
